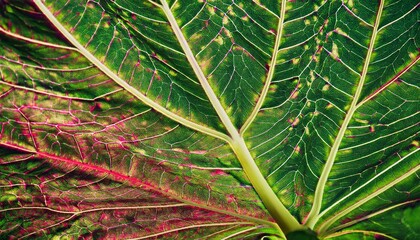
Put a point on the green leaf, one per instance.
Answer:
(209, 119)
(302, 234)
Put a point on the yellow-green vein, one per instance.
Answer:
(319, 191)
(270, 74)
(197, 70)
(365, 233)
(345, 225)
(34, 41)
(326, 224)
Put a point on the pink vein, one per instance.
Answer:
(84, 166)
(133, 181)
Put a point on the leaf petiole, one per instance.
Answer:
(275, 207)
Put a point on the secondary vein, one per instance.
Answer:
(197, 70)
(320, 188)
(270, 74)
(325, 225)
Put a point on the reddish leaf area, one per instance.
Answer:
(102, 202)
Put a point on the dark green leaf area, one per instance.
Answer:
(359, 236)
(322, 51)
(10, 155)
(405, 218)
(22, 17)
(49, 65)
(139, 47)
(397, 44)
(302, 235)
(402, 196)
(290, 138)
(71, 74)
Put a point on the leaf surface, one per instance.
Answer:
(173, 119)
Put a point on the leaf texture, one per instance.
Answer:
(115, 127)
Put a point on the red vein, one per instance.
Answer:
(132, 181)
(394, 79)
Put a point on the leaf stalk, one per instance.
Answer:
(275, 207)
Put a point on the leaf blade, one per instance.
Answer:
(124, 84)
